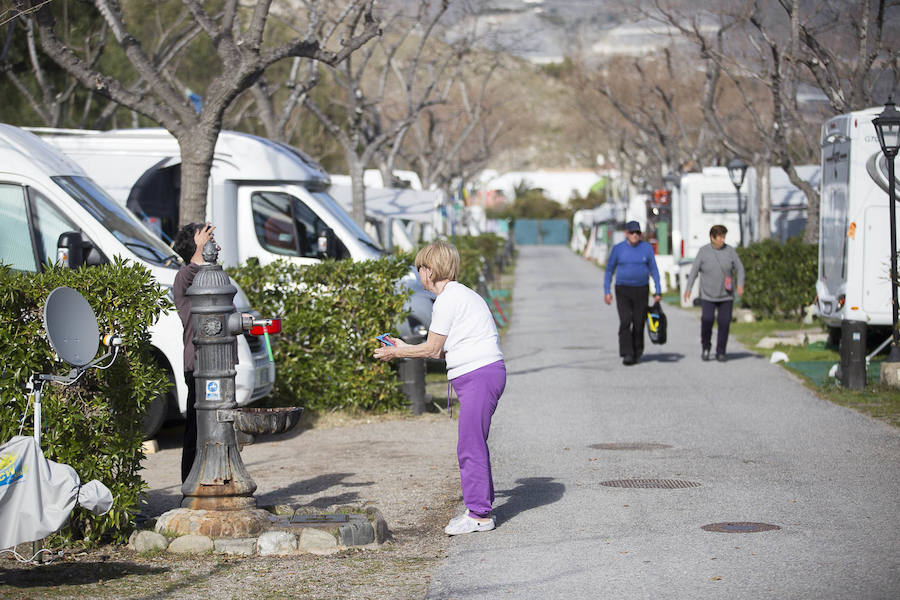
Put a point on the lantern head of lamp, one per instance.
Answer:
(736, 171)
(887, 126)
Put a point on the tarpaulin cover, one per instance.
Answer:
(37, 495)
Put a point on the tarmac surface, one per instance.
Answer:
(745, 440)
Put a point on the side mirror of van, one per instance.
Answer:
(70, 249)
(73, 251)
(327, 245)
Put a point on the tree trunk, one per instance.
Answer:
(811, 233)
(764, 196)
(198, 146)
(356, 168)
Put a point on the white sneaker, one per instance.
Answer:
(467, 524)
(459, 517)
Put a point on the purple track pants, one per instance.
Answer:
(478, 392)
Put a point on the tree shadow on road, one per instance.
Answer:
(73, 573)
(312, 487)
(530, 492)
(741, 355)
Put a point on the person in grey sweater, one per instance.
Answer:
(719, 268)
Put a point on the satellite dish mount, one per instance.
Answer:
(72, 330)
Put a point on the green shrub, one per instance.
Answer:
(781, 278)
(480, 256)
(331, 313)
(94, 425)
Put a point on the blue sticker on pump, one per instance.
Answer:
(212, 390)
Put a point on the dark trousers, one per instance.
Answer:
(631, 302)
(723, 320)
(189, 445)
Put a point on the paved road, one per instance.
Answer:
(761, 447)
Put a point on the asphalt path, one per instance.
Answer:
(760, 447)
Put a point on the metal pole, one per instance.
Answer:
(737, 189)
(894, 355)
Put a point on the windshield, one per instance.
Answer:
(331, 205)
(117, 220)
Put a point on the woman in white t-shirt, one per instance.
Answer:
(464, 334)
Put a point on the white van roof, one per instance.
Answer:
(26, 154)
(253, 157)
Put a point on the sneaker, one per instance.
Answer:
(628, 361)
(720, 356)
(459, 517)
(705, 354)
(467, 524)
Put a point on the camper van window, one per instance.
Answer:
(285, 225)
(118, 221)
(49, 223)
(15, 243)
(717, 202)
(331, 205)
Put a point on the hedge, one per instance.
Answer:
(94, 425)
(331, 313)
(481, 257)
(780, 278)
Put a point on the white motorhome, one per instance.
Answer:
(409, 215)
(788, 202)
(44, 194)
(701, 200)
(854, 224)
(268, 200)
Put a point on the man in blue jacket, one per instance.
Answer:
(633, 263)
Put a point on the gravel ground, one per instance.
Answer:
(403, 465)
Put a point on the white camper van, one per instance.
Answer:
(702, 200)
(397, 217)
(854, 226)
(267, 200)
(44, 194)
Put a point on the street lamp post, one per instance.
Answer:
(887, 126)
(736, 171)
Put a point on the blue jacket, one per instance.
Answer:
(633, 265)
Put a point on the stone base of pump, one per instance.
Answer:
(276, 530)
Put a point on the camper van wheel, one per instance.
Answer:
(157, 410)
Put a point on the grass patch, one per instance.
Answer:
(812, 361)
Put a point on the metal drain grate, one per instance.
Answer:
(629, 446)
(667, 484)
(739, 527)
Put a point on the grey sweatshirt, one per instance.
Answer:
(713, 265)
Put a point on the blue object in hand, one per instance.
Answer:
(383, 338)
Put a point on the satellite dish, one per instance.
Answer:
(71, 326)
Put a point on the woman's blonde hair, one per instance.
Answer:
(442, 258)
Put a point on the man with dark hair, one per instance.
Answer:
(633, 263)
(188, 244)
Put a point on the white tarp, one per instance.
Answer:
(37, 495)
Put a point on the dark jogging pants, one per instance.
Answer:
(632, 302)
(720, 312)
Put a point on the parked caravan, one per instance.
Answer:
(396, 217)
(787, 218)
(268, 200)
(44, 194)
(701, 200)
(854, 228)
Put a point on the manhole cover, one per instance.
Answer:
(668, 484)
(629, 446)
(741, 527)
